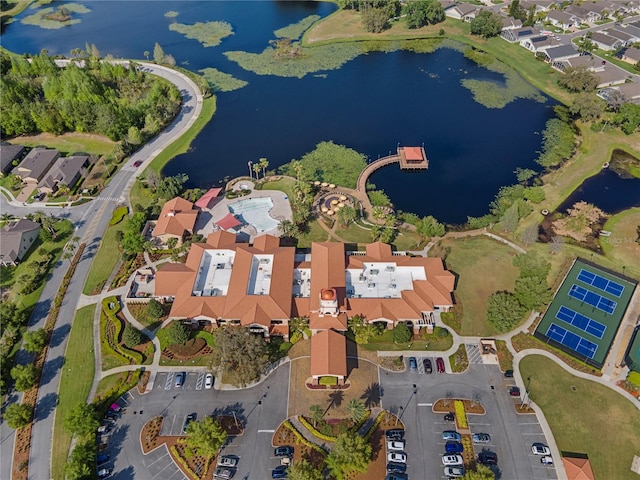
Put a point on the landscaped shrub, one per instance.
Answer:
(132, 337)
(328, 381)
(295, 337)
(301, 439)
(178, 333)
(461, 415)
(315, 431)
(375, 425)
(118, 214)
(401, 333)
(634, 377)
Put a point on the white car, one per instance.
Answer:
(540, 449)
(452, 460)
(454, 472)
(208, 381)
(396, 457)
(396, 446)
(481, 438)
(227, 461)
(547, 460)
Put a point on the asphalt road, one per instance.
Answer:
(511, 434)
(90, 220)
(259, 409)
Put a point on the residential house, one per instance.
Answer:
(630, 92)
(539, 44)
(580, 14)
(513, 35)
(510, 23)
(598, 11)
(605, 42)
(8, 154)
(538, 5)
(263, 285)
(177, 219)
(15, 240)
(65, 171)
(562, 19)
(447, 4)
(463, 11)
(631, 55)
(36, 164)
(625, 37)
(559, 53)
(606, 73)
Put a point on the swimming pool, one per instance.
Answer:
(256, 212)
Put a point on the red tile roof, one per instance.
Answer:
(176, 217)
(328, 354)
(228, 222)
(413, 153)
(578, 468)
(203, 201)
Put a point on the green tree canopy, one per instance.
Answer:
(375, 20)
(154, 309)
(430, 227)
(178, 332)
(401, 333)
(532, 292)
(205, 437)
(356, 409)
(81, 462)
(504, 311)
(351, 453)
(18, 415)
(419, 13)
(578, 79)
(487, 23)
(34, 340)
(131, 336)
(171, 187)
(25, 376)
(82, 420)
(532, 265)
(481, 472)
(303, 470)
(558, 143)
(241, 355)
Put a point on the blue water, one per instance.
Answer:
(371, 104)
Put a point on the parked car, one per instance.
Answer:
(284, 451)
(104, 473)
(481, 438)
(279, 472)
(115, 407)
(395, 445)
(451, 435)
(394, 434)
(454, 472)
(514, 391)
(102, 429)
(102, 459)
(540, 449)
(547, 460)
(440, 365)
(224, 473)
(396, 476)
(137, 163)
(452, 460)
(179, 380)
(396, 457)
(487, 458)
(227, 461)
(111, 415)
(190, 418)
(413, 364)
(453, 447)
(428, 368)
(508, 373)
(395, 467)
(39, 196)
(208, 381)
(449, 417)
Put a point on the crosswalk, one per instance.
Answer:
(109, 199)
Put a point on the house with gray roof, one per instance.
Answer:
(562, 19)
(509, 23)
(630, 92)
(631, 55)
(36, 164)
(539, 44)
(538, 5)
(624, 37)
(605, 42)
(67, 171)
(607, 73)
(16, 240)
(463, 11)
(561, 52)
(8, 154)
(514, 35)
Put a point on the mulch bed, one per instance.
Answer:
(193, 347)
(523, 410)
(142, 383)
(471, 408)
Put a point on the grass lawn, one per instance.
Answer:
(621, 246)
(75, 383)
(482, 266)
(104, 262)
(315, 234)
(428, 343)
(609, 437)
(199, 360)
(69, 142)
(283, 185)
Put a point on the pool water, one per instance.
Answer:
(255, 211)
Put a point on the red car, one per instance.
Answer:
(137, 163)
(440, 365)
(514, 391)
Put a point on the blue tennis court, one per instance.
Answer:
(600, 283)
(571, 340)
(580, 321)
(593, 299)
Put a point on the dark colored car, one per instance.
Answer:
(440, 365)
(449, 417)
(395, 467)
(453, 447)
(413, 364)
(190, 418)
(279, 472)
(394, 434)
(487, 458)
(223, 473)
(428, 368)
(102, 458)
(508, 373)
(284, 451)
(137, 163)
(514, 391)
(396, 476)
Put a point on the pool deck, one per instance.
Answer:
(281, 210)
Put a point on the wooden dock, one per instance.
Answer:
(413, 158)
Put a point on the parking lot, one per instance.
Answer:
(259, 409)
(511, 434)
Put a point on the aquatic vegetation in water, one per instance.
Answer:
(220, 81)
(171, 14)
(49, 17)
(295, 30)
(209, 34)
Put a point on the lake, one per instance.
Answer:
(371, 104)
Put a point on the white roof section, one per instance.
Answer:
(260, 275)
(301, 282)
(214, 273)
(382, 280)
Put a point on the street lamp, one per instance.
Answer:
(526, 393)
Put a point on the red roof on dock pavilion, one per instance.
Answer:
(413, 153)
(203, 202)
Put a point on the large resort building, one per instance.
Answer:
(263, 285)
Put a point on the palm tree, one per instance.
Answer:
(256, 168)
(346, 215)
(316, 413)
(264, 164)
(356, 409)
(7, 217)
(287, 228)
(298, 324)
(146, 54)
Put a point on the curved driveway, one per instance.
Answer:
(90, 220)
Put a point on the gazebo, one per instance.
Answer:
(228, 222)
